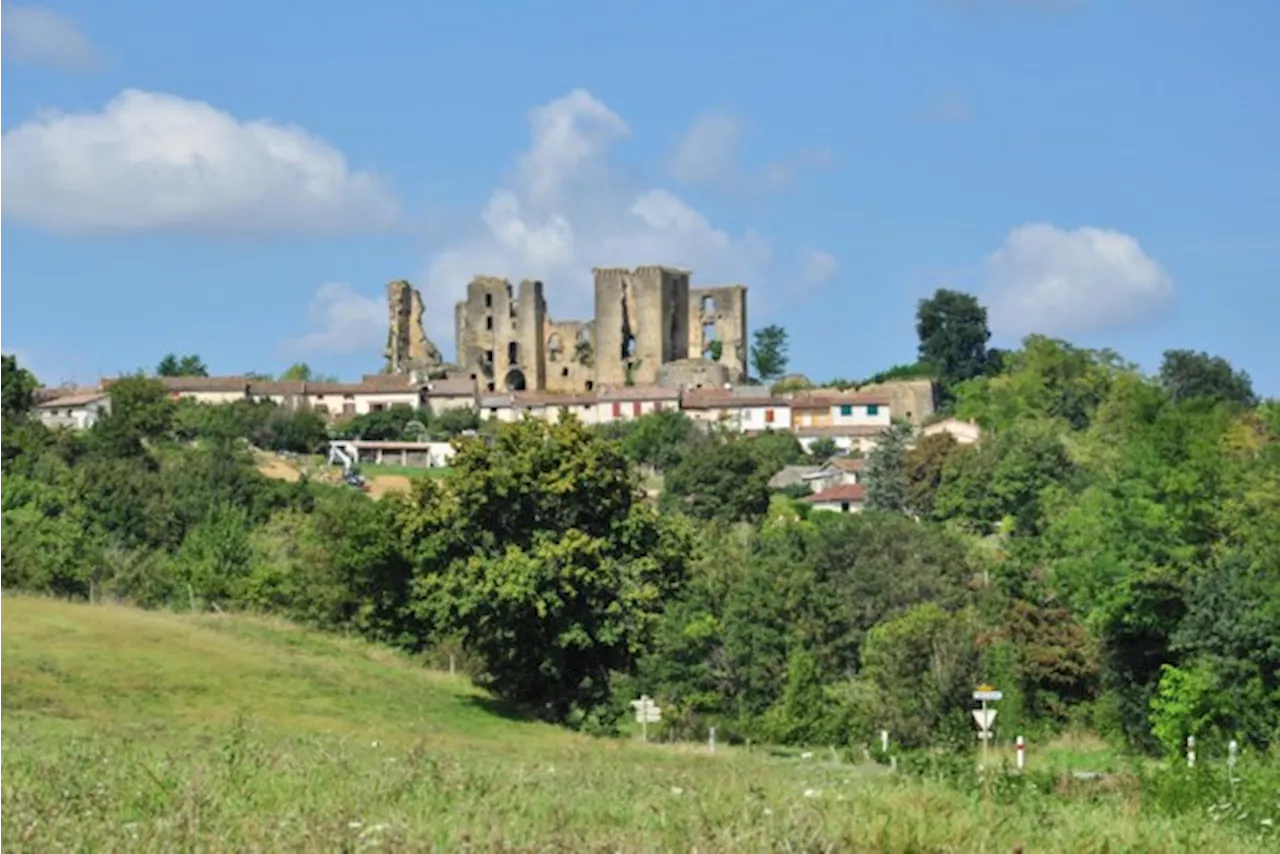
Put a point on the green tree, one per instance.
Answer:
(886, 472)
(823, 448)
(19, 387)
(140, 410)
(541, 557)
(923, 466)
(301, 371)
(953, 334)
(187, 366)
(1188, 374)
(923, 666)
(769, 352)
(727, 483)
(660, 439)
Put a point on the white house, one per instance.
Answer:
(78, 410)
(853, 421)
(744, 409)
(628, 403)
(846, 498)
(448, 394)
(964, 432)
(837, 471)
(333, 400)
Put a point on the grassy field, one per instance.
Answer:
(375, 470)
(129, 730)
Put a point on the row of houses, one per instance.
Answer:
(851, 420)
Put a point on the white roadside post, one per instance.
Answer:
(647, 712)
(1191, 751)
(711, 740)
(1233, 752)
(1021, 747)
(984, 716)
(884, 741)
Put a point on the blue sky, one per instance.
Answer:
(240, 180)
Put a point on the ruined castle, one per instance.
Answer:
(650, 328)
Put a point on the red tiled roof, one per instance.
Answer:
(723, 398)
(639, 392)
(852, 464)
(822, 400)
(78, 398)
(852, 492)
(393, 384)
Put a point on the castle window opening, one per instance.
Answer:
(488, 322)
(564, 372)
(513, 352)
(488, 356)
(590, 385)
(488, 300)
(628, 346)
(554, 348)
(708, 305)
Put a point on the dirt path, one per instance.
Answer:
(274, 467)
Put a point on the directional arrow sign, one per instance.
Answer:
(984, 718)
(987, 694)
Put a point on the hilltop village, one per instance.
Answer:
(654, 344)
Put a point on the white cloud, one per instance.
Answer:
(41, 36)
(342, 322)
(817, 267)
(569, 207)
(709, 155)
(1056, 282)
(155, 162)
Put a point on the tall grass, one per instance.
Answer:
(139, 731)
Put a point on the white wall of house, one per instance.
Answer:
(79, 416)
(838, 506)
(964, 432)
(608, 411)
(860, 415)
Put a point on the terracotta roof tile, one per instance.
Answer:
(852, 492)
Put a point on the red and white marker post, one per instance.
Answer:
(1021, 748)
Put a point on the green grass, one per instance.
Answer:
(140, 731)
(374, 469)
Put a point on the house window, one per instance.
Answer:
(873, 409)
(846, 410)
(768, 416)
(377, 407)
(348, 409)
(617, 410)
(844, 506)
(635, 408)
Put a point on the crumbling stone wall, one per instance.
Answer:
(720, 314)
(693, 373)
(499, 334)
(642, 318)
(909, 399)
(569, 346)
(408, 347)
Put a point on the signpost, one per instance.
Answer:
(647, 712)
(985, 717)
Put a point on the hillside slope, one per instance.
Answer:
(129, 730)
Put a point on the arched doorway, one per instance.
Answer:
(515, 380)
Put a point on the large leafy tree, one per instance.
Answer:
(302, 371)
(186, 366)
(769, 352)
(729, 482)
(886, 472)
(953, 333)
(1189, 374)
(542, 557)
(19, 387)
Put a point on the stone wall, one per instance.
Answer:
(499, 334)
(570, 355)
(408, 347)
(641, 322)
(720, 314)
